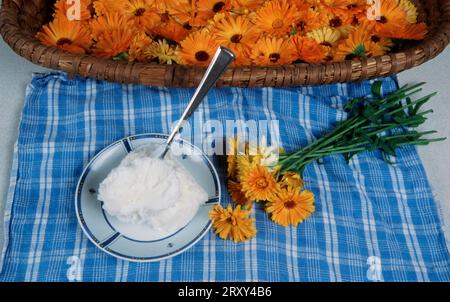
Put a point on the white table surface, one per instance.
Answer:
(15, 73)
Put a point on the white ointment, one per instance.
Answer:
(145, 190)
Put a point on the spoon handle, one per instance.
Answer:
(222, 59)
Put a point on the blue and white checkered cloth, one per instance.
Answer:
(373, 221)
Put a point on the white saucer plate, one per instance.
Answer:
(140, 243)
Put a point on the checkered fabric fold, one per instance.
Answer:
(373, 221)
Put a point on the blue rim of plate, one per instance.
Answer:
(126, 143)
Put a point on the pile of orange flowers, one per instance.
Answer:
(254, 176)
(260, 32)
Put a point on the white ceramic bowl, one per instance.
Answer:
(140, 243)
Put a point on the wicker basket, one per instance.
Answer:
(21, 19)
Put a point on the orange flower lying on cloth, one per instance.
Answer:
(233, 224)
(291, 206)
(254, 175)
(260, 32)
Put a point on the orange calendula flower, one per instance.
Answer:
(64, 34)
(391, 14)
(232, 224)
(198, 48)
(138, 49)
(276, 18)
(358, 44)
(108, 22)
(212, 7)
(273, 51)
(103, 7)
(384, 43)
(236, 33)
(231, 166)
(292, 180)
(169, 28)
(406, 31)
(291, 206)
(238, 196)
(113, 42)
(187, 14)
(66, 9)
(308, 50)
(308, 20)
(248, 5)
(244, 163)
(342, 6)
(142, 13)
(259, 184)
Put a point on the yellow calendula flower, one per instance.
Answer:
(164, 52)
(265, 155)
(291, 206)
(231, 166)
(292, 180)
(410, 10)
(259, 184)
(244, 163)
(326, 36)
(232, 224)
(138, 49)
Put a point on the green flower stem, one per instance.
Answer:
(369, 127)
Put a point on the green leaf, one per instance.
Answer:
(376, 88)
(122, 56)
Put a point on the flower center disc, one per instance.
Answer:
(301, 25)
(236, 38)
(261, 183)
(165, 17)
(63, 41)
(139, 12)
(218, 7)
(382, 20)
(335, 22)
(202, 56)
(274, 57)
(290, 204)
(278, 23)
(375, 39)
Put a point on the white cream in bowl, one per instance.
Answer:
(146, 190)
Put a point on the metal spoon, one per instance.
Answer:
(222, 59)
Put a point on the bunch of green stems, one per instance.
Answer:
(377, 122)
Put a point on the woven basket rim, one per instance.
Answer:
(26, 45)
